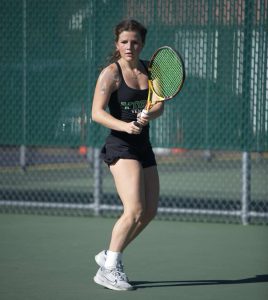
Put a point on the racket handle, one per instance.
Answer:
(144, 113)
(137, 124)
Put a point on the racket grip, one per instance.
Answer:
(144, 112)
(137, 124)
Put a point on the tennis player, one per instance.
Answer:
(123, 87)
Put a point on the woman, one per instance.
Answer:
(123, 87)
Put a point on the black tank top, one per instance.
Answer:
(124, 104)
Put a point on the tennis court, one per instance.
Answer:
(50, 257)
(211, 145)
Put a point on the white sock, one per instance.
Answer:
(113, 258)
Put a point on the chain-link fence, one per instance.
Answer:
(211, 143)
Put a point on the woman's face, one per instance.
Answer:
(129, 45)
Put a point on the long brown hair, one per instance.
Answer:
(127, 25)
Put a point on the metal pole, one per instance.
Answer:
(24, 88)
(210, 65)
(246, 127)
(246, 187)
(97, 181)
(23, 157)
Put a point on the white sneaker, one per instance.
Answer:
(100, 259)
(112, 279)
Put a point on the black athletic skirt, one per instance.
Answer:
(116, 148)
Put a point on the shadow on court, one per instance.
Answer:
(172, 283)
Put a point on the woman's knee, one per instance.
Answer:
(134, 216)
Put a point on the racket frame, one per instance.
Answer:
(150, 103)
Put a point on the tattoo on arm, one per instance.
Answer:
(103, 89)
(116, 78)
(108, 80)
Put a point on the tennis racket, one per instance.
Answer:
(166, 74)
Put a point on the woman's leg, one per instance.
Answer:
(130, 181)
(151, 189)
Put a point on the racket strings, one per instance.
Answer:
(166, 73)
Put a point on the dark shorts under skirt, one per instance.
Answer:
(115, 149)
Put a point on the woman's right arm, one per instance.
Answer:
(107, 83)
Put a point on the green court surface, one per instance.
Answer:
(49, 257)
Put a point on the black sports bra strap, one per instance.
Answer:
(119, 69)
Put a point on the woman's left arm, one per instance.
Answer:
(156, 111)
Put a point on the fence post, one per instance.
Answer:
(24, 86)
(246, 187)
(97, 181)
(23, 157)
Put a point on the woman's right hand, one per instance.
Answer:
(131, 128)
